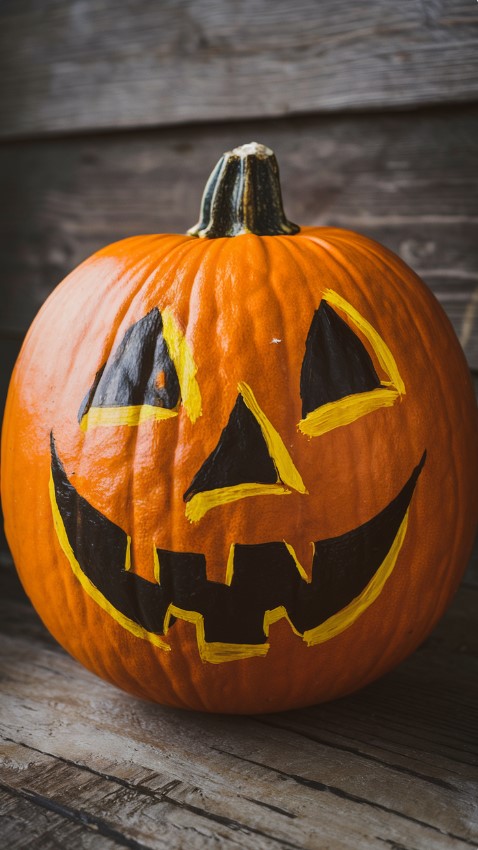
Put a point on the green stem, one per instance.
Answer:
(243, 195)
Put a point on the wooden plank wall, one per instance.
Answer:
(112, 115)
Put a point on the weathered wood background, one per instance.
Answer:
(111, 117)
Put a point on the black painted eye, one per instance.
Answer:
(336, 363)
(139, 382)
(338, 381)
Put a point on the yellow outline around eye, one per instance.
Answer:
(288, 475)
(348, 409)
(135, 414)
(132, 414)
(181, 355)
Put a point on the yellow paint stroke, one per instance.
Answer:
(88, 585)
(214, 652)
(381, 349)
(156, 566)
(299, 566)
(127, 560)
(348, 409)
(276, 614)
(202, 502)
(283, 462)
(181, 355)
(344, 618)
(230, 564)
(218, 652)
(132, 414)
(287, 473)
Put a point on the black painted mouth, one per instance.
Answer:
(265, 576)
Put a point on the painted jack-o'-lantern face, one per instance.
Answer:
(240, 493)
(264, 581)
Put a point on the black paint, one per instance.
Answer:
(336, 363)
(265, 575)
(131, 376)
(241, 456)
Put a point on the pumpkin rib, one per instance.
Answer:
(183, 249)
(210, 253)
(268, 247)
(209, 250)
(143, 262)
(290, 247)
(398, 286)
(360, 286)
(456, 498)
(330, 262)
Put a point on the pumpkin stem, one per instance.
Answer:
(243, 195)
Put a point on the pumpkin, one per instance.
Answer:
(239, 465)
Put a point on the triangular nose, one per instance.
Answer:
(250, 459)
(240, 457)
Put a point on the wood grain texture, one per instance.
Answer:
(408, 180)
(84, 765)
(91, 64)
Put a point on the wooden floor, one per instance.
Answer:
(394, 767)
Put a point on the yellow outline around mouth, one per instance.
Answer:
(89, 587)
(217, 652)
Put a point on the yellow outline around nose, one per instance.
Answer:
(287, 473)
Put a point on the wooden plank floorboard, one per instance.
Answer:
(394, 766)
(86, 64)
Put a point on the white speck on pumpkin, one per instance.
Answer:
(275, 339)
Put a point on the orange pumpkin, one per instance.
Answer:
(239, 466)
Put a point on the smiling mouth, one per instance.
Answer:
(264, 581)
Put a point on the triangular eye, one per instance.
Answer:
(139, 383)
(339, 382)
(240, 457)
(336, 363)
(250, 459)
